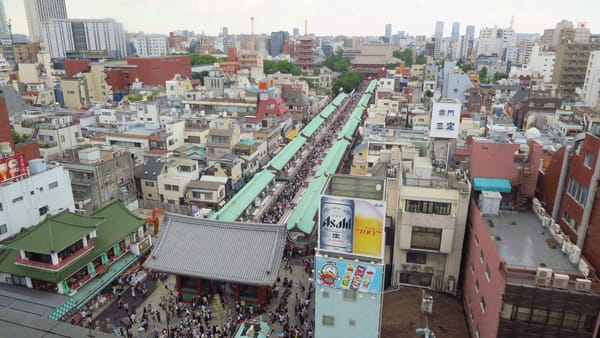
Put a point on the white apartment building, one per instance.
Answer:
(174, 179)
(542, 62)
(493, 40)
(151, 45)
(64, 35)
(26, 202)
(39, 11)
(591, 85)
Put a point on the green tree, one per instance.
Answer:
(282, 66)
(317, 71)
(421, 59)
(499, 76)
(200, 76)
(347, 82)
(205, 59)
(405, 55)
(428, 93)
(483, 75)
(19, 138)
(337, 62)
(466, 68)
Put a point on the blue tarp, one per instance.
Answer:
(491, 184)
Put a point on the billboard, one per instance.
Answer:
(12, 167)
(351, 225)
(349, 275)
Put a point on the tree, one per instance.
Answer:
(421, 59)
(337, 62)
(483, 75)
(204, 59)
(282, 66)
(406, 55)
(348, 81)
(499, 76)
(19, 138)
(200, 75)
(466, 68)
(428, 93)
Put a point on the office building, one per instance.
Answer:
(151, 45)
(455, 32)
(277, 41)
(469, 40)
(62, 36)
(591, 84)
(388, 31)
(40, 11)
(571, 65)
(3, 19)
(437, 36)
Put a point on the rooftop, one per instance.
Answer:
(523, 242)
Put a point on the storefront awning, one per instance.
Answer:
(491, 184)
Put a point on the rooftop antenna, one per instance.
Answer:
(305, 26)
(512, 21)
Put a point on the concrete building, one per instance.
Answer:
(151, 45)
(154, 71)
(571, 65)
(542, 62)
(455, 32)
(469, 41)
(81, 35)
(445, 118)
(99, 176)
(493, 40)
(46, 190)
(223, 135)
(591, 84)
(54, 133)
(174, 179)
(455, 82)
(40, 11)
(437, 36)
(277, 41)
(146, 176)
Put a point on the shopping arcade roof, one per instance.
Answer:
(243, 198)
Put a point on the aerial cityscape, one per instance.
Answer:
(263, 169)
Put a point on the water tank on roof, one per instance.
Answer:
(532, 133)
(37, 166)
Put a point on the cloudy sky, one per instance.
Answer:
(325, 17)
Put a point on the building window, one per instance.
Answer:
(482, 303)
(149, 183)
(481, 255)
(570, 319)
(507, 311)
(488, 274)
(570, 221)
(328, 320)
(43, 210)
(539, 316)
(426, 238)
(577, 192)
(428, 207)
(18, 199)
(171, 187)
(476, 240)
(3, 229)
(472, 268)
(477, 285)
(416, 257)
(53, 185)
(1, 207)
(349, 296)
(589, 158)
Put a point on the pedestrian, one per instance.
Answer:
(158, 316)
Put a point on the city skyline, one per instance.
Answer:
(207, 18)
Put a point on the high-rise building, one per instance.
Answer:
(591, 85)
(438, 35)
(455, 31)
(388, 30)
(277, 41)
(151, 45)
(225, 32)
(39, 11)
(3, 19)
(296, 31)
(571, 65)
(66, 35)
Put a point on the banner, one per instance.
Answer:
(12, 167)
(349, 275)
(352, 225)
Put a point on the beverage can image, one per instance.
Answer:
(336, 224)
(358, 275)
(368, 228)
(366, 282)
(347, 276)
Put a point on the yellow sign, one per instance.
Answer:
(369, 218)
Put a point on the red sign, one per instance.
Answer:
(12, 167)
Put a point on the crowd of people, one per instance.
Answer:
(317, 149)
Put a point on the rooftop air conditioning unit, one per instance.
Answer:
(543, 276)
(583, 285)
(575, 254)
(560, 281)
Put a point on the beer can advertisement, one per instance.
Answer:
(12, 167)
(351, 225)
(350, 275)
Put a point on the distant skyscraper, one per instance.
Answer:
(3, 19)
(469, 40)
(277, 41)
(67, 35)
(39, 11)
(388, 30)
(225, 32)
(455, 31)
(296, 31)
(438, 35)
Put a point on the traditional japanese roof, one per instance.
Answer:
(55, 233)
(118, 223)
(248, 253)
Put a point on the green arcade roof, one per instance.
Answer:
(491, 184)
(286, 154)
(326, 112)
(332, 160)
(240, 201)
(302, 218)
(348, 131)
(312, 126)
(338, 99)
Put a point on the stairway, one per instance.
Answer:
(522, 199)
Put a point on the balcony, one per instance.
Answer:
(60, 265)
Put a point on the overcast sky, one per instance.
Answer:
(325, 17)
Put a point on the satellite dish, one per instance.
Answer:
(437, 94)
